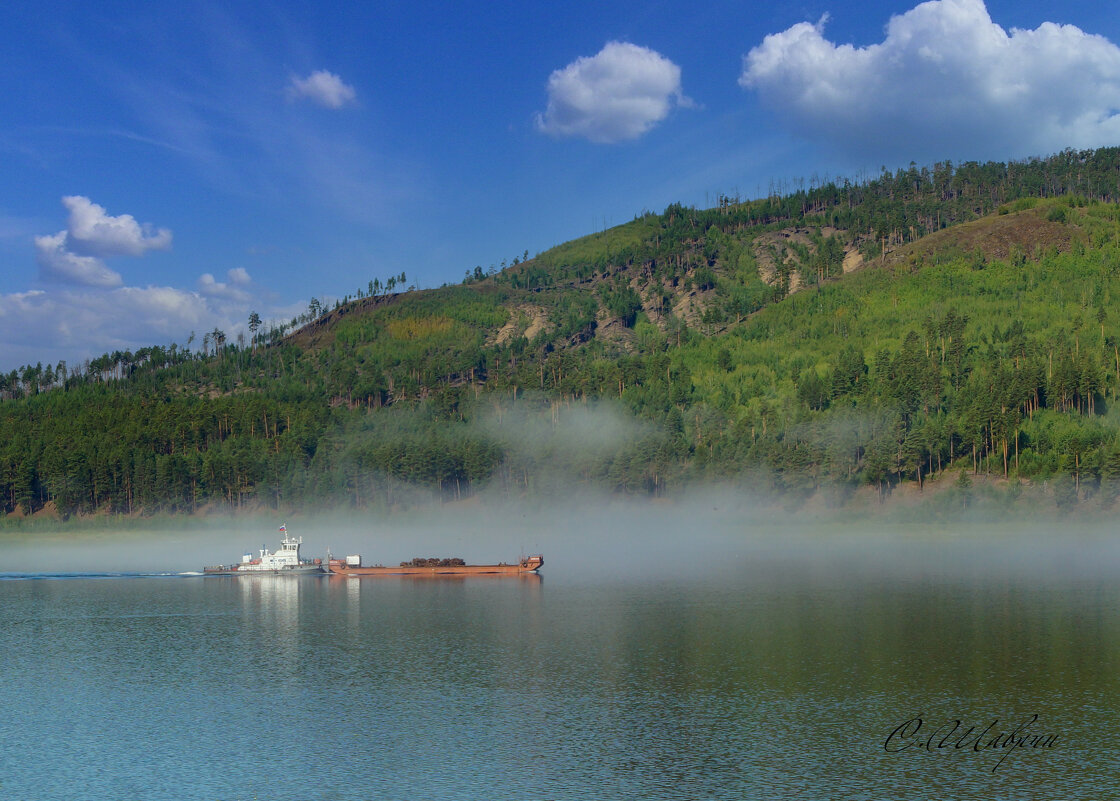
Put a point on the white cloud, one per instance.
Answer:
(72, 324)
(19, 302)
(946, 81)
(83, 309)
(323, 88)
(617, 94)
(57, 262)
(238, 278)
(76, 254)
(92, 232)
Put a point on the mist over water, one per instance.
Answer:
(554, 508)
(590, 537)
(704, 647)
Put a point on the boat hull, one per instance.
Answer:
(301, 570)
(523, 568)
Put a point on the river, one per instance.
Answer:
(744, 673)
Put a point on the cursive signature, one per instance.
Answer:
(909, 734)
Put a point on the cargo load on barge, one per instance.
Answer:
(285, 561)
(352, 566)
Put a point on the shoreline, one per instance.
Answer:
(940, 501)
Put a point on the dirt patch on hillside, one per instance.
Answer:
(996, 237)
(525, 320)
(853, 260)
(774, 248)
(611, 331)
(691, 306)
(319, 333)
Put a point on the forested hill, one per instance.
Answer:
(951, 320)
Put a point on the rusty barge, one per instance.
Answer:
(352, 566)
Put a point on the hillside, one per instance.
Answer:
(945, 321)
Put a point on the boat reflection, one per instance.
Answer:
(273, 602)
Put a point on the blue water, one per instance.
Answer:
(780, 677)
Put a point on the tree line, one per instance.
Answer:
(954, 362)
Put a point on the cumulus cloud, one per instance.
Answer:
(238, 279)
(58, 263)
(75, 323)
(76, 254)
(945, 80)
(93, 232)
(239, 276)
(323, 88)
(71, 324)
(617, 94)
(84, 309)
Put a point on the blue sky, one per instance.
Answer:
(166, 168)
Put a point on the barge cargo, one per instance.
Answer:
(352, 566)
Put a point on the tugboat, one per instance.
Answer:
(285, 561)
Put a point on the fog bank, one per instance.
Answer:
(592, 537)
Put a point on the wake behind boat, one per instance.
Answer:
(285, 561)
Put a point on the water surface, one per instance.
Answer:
(764, 674)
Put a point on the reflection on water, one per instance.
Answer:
(770, 678)
(271, 602)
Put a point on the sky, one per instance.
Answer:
(166, 169)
